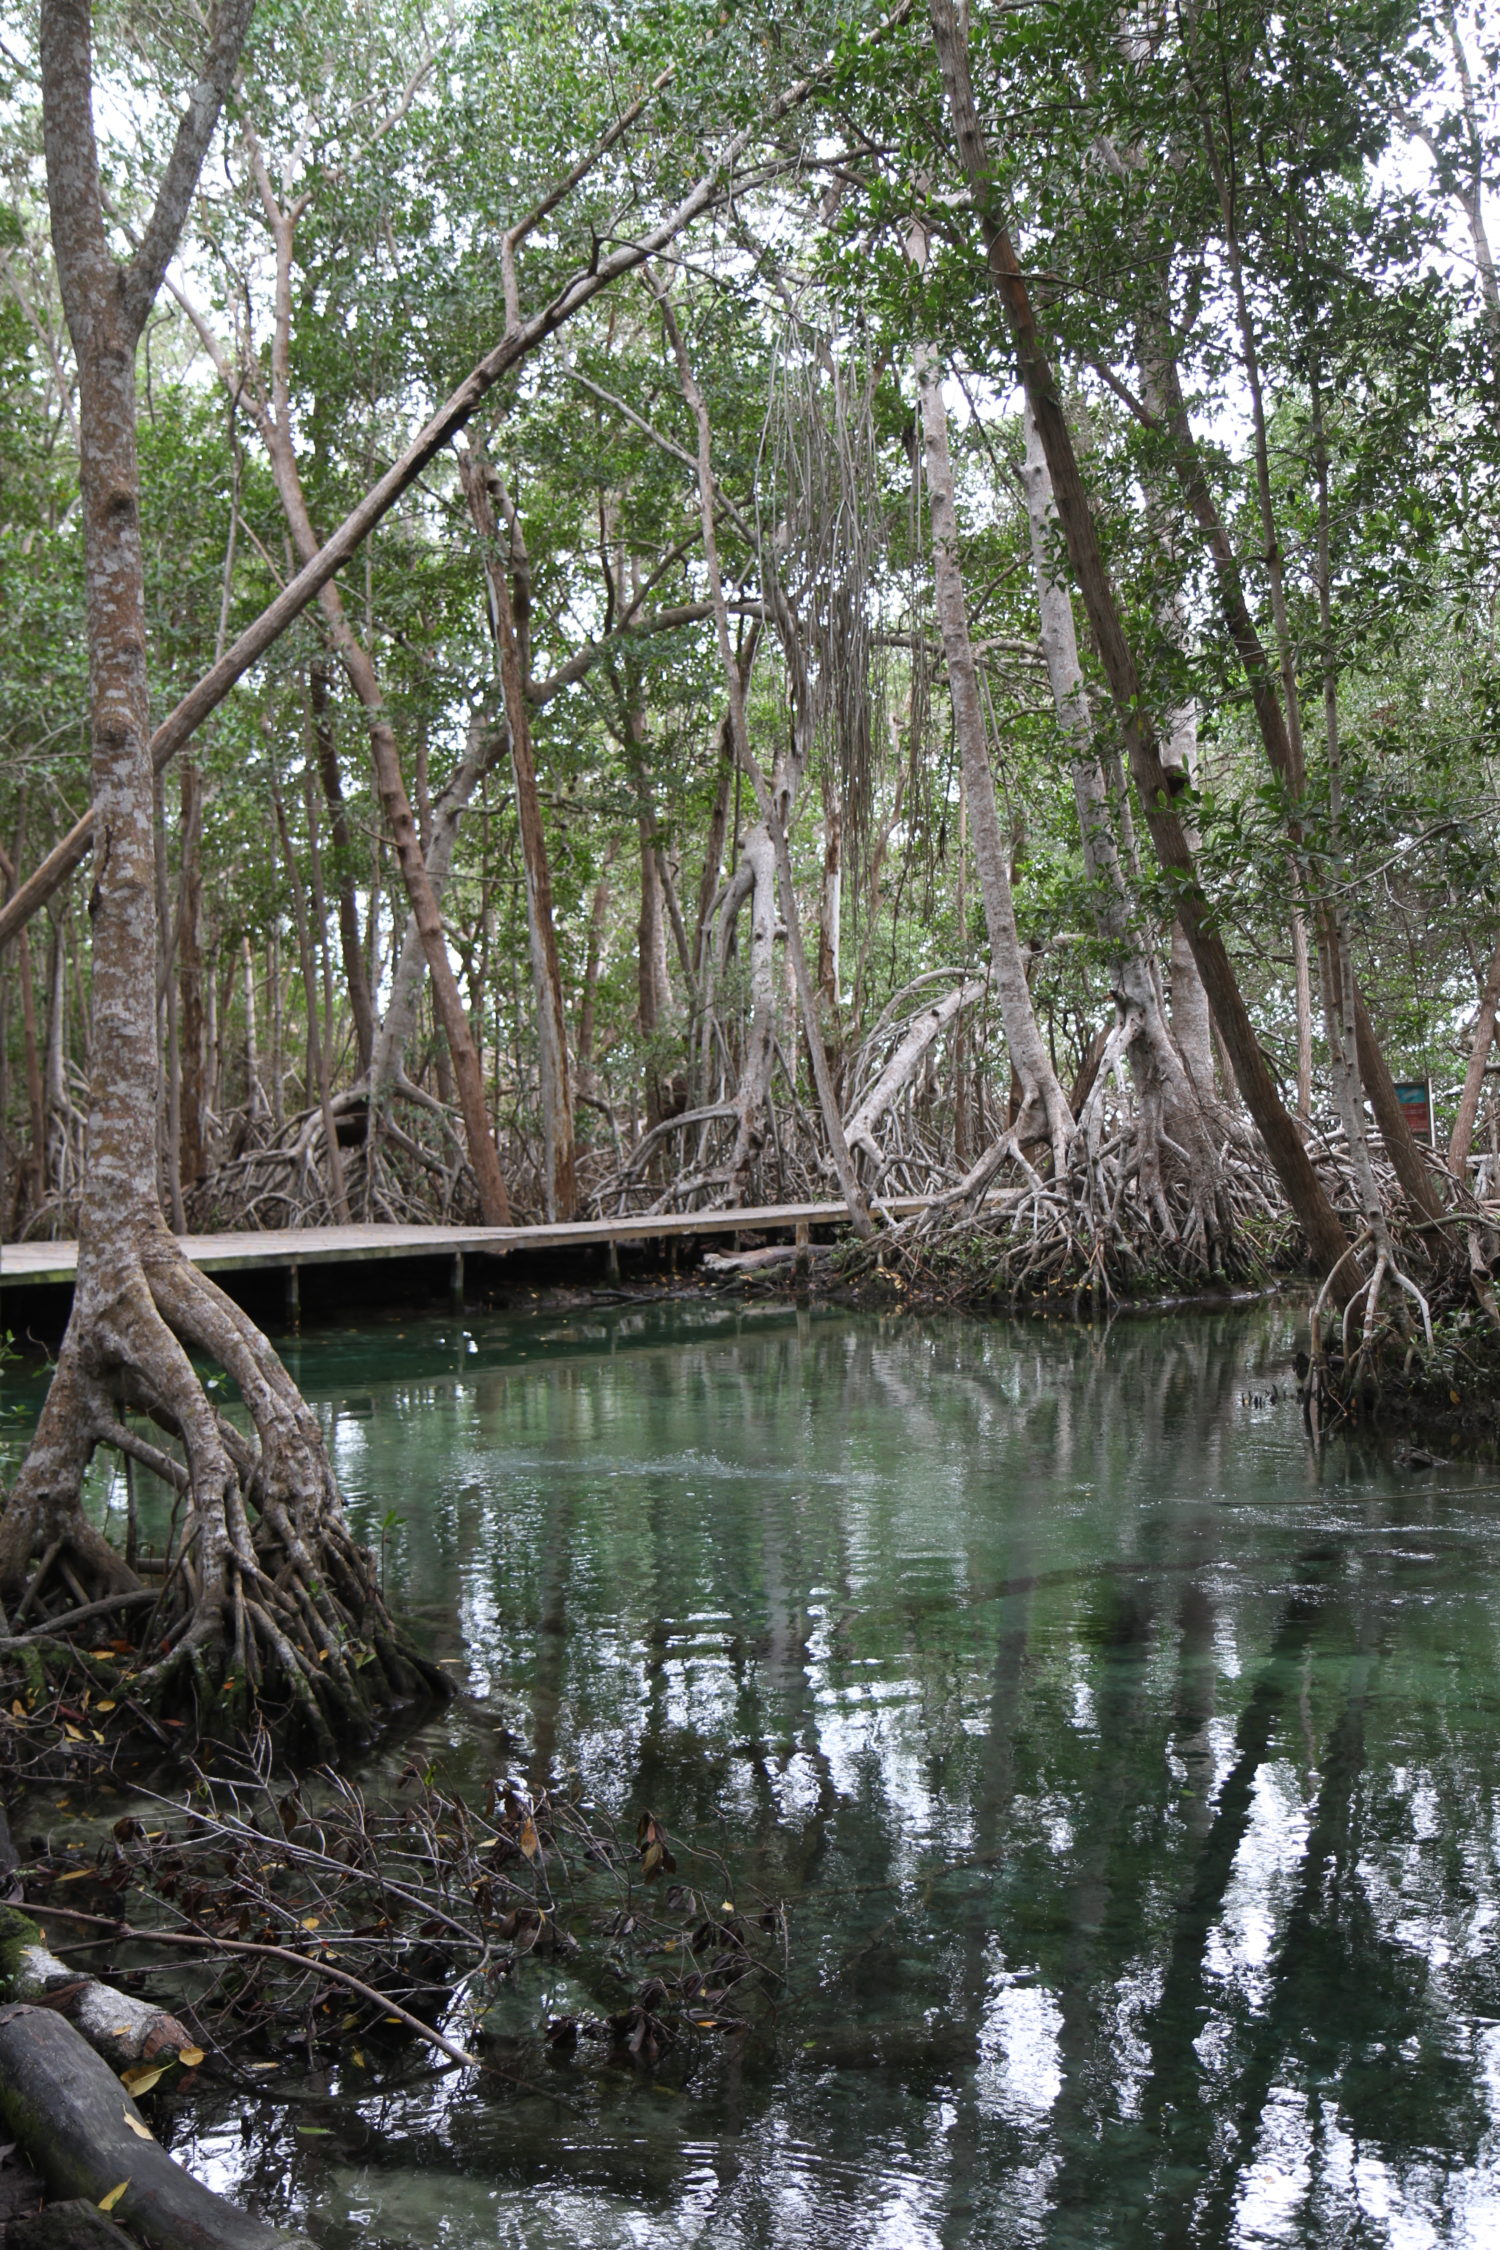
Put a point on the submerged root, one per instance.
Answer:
(265, 1605)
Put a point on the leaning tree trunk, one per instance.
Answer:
(1324, 1231)
(272, 1601)
(1171, 1103)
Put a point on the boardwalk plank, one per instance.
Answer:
(34, 1263)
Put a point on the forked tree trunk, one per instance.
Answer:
(273, 1601)
(1044, 1113)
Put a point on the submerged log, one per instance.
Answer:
(85, 2135)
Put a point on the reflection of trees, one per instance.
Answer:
(929, 1623)
(1172, 2111)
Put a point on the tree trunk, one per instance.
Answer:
(831, 902)
(272, 1605)
(1479, 1054)
(191, 1159)
(509, 612)
(1192, 1025)
(1320, 1223)
(592, 963)
(399, 1022)
(1303, 978)
(1284, 753)
(1170, 1101)
(325, 745)
(318, 1087)
(1044, 1113)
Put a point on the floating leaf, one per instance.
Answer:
(360, 2059)
(260, 2066)
(74, 1734)
(108, 2202)
(141, 2081)
(312, 1921)
(528, 1839)
(141, 2132)
(106, 1705)
(190, 2057)
(103, 1654)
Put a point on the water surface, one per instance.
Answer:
(1130, 1774)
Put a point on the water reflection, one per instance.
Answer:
(1130, 1773)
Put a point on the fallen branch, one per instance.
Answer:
(205, 1943)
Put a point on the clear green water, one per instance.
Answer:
(1130, 1773)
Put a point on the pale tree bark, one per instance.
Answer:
(255, 1098)
(831, 901)
(1044, 1114)
(509, 607)
(1192, 1024)
(593, 961)
(325, 746)
(1480, 1049)
(1320, 1223)
(926, 1025)
(272, 1603)
(1172, 1100)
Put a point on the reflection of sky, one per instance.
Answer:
(956, 1636)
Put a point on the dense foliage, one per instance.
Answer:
(1286, 207)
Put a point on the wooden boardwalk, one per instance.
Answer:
(35, 1263)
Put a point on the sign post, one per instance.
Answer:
(1415, 1097)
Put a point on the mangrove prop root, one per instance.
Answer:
(268, 1606)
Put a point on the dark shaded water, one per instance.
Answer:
(1130, 1773)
